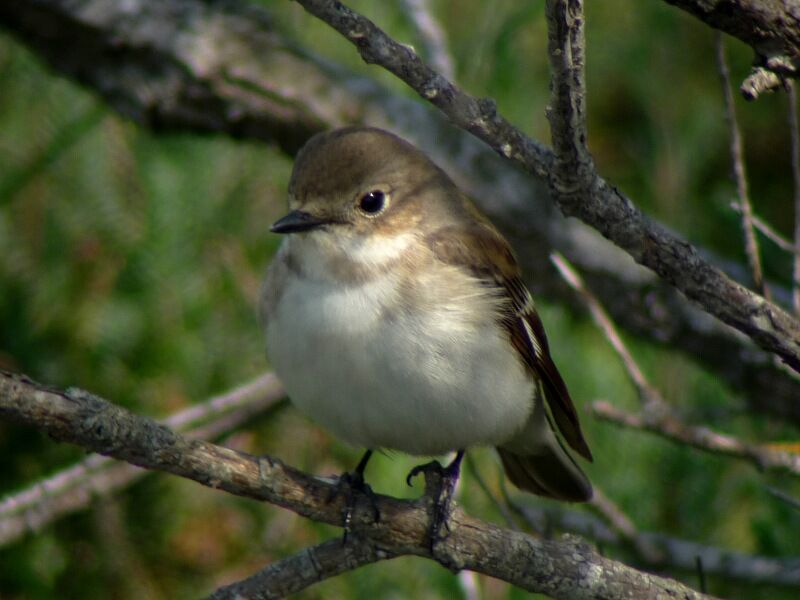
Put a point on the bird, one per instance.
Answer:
(396, 316)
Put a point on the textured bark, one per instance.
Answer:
(565, 569)
(295, 573)
(187, 64)
(770, 27)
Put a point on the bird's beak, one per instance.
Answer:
(296, 221)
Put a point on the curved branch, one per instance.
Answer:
(223, 67)
(561, 569)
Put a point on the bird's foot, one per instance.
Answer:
(440, 486)
(351, 485)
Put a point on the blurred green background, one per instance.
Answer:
(130, 264)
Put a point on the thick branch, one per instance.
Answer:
(230, 71)
(564, 569)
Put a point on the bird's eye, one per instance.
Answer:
(372, 202)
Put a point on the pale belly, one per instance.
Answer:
(425, 383)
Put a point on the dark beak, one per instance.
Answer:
(296, 221)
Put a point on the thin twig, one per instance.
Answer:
(656, 416)
(702, 438)
(647, 393)
(75, 487)
(501, 507)
(431, 35)
(770, 233)
(784, 497)
(624, 526)
(739, 174)
(794, 134)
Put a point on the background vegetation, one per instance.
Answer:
(130, 264)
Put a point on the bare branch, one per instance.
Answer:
(737, 161)
(784, 497)
(431, 35)
(600, 205)
(501, 507)
(772, 29)
(251, 73)
(573, 169)
(769, 232)
(564, 569)
(655, 416)
(674, 553)
(647, 393)
(764, 458)
(656, 550)
(74, 488)
(794, 134)
(297, 572)
(624, 527)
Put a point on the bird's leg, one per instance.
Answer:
(350, 484)
(448, 478)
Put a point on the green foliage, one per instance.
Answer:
(130, 265)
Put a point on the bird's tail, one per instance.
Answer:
(536, 460)
(548, 473)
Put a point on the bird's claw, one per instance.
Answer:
(350, 485)
(440, 486)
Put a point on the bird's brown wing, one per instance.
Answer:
(479, 248)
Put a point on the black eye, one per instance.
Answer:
(373, 202)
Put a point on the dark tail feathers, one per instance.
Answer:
(547, 474)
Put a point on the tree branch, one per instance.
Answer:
(563, 569)
(739, 175)
(232, 72)
(573, 170)
(431, 35)
(655, 414)
(771, 28)
(673, 553)
(794, 134)
(702, 438)
(768, 231)
(656, 550)
(74, 488)
(295, 573)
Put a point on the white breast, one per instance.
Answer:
(423, 370)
